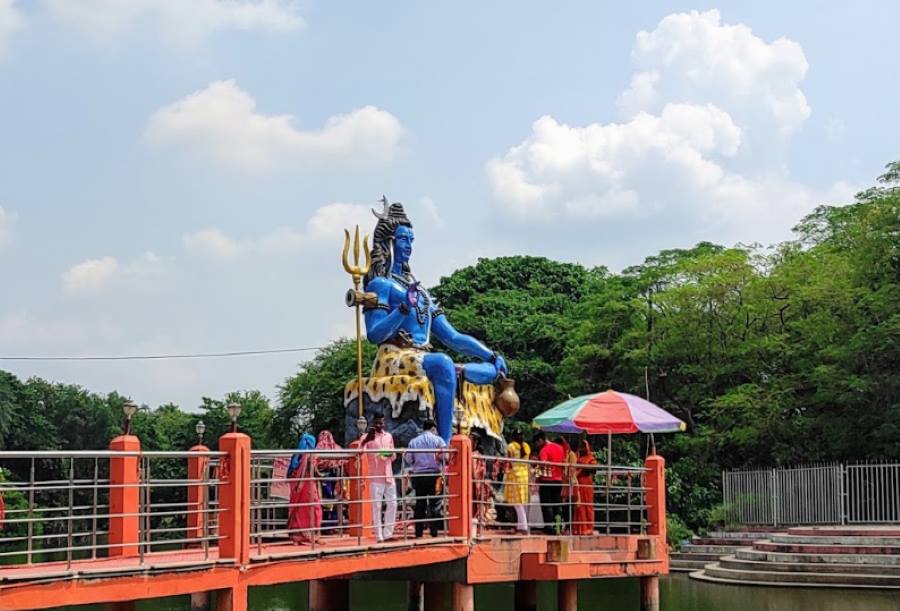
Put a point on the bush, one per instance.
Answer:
(676, 531)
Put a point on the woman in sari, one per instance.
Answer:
(516, 490)
(305, 513)
(329, 468)
(583, 523)
(568, 494)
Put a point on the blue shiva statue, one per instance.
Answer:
(404, 316)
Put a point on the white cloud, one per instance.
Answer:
(182, 21)
(7, 224)
(694, 58)
(10, 22)
(212, 243)
(325, 226)
(95, 276)
(220, 123)
(708, 113)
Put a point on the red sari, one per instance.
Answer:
(584, 494)
(305, 491)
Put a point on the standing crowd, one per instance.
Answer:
(549, 488)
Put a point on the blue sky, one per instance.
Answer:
(174, 175)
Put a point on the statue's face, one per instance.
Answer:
(403, 243)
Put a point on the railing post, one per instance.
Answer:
(360, 510)
(234, 498)
(124, 490)
(459, 484)
(655, 483)
(196, 494)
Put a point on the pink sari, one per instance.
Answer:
(308, 517)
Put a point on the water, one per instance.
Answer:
(677, 593)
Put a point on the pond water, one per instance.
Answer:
(677, 593)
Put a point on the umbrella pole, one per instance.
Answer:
(608, 474)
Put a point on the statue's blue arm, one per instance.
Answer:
(382, 324)
(462, 343)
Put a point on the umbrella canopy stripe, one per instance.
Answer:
(608, 412)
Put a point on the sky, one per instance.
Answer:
(175, 177)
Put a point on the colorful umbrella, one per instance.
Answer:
(607, 413)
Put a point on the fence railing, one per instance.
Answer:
(559, 498)
(834, 493)
(237, 505)
(63, 506)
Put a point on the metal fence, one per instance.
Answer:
(866, 493)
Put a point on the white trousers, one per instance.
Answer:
(385, 494)
(521, 518)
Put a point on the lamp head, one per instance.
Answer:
(130, 408)
(200, 428)
(234, 411)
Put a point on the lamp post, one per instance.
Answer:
(234, 410)
(130, 408)
(200, 428)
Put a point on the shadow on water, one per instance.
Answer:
(677, 593)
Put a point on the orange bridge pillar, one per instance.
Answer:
(655, 482)
(234, 499)
(360, 509)
(459, 484)
(650, 593)
(124, 495)
(329, 595)
(196, 495)
(526, 596)
(567, 595)
(463, 597)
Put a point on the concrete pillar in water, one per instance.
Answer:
(650, 593)
(329, 595)
(414, 596)
(200, 601)
(463, 597)
(526, 596)
(567, 595)
(435, 596)
(232, 599)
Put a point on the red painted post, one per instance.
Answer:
(567, 595)
(655, 483)
(459, 485)
(650, 593)
(197, 501)
(463, 596)
(124, 494)
(360, 509)
(234, 498)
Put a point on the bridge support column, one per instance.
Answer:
(329, 595)
(414, 596)
(232, 599)
(435, 595)
(567, 595)
(650, 593)
(463, 597)
(526, 596)
(200, 601)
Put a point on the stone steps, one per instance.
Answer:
(719, 550)
(848, 540)
(808, 579)
(703, 576)
(730, 562)
(824, 548)
(686, 566)
(763, 556)
(868, 557)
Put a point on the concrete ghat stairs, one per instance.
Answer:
(710, 547)
(867, 557)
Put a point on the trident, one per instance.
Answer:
(356, 298)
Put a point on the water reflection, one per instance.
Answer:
(677, 593)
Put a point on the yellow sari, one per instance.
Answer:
(515, 490)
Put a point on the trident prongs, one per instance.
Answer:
(355, 271)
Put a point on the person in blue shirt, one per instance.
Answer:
(426, 470)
